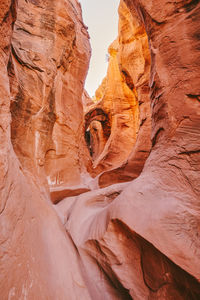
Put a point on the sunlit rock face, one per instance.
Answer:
(121, 106)
(130, 240)
(142, 238)
(50, 48)
(124, 98)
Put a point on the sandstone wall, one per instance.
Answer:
(37, 258)
(47, 69)
(131, 240)
(159, 210)
(124, 97)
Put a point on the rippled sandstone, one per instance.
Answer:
(35, 251)
(50, 49)
(124, 98)
(161, 205)
(130, 240)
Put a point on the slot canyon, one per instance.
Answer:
(100, 197)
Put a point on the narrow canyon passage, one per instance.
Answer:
(99, 198)
(118, 123)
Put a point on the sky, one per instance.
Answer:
(101, 17)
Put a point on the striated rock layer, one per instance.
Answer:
(130, 240)
(124, 98)
(50, 49)
(161, 205)
(37, 257)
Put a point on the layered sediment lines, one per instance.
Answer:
(138, 236)
(50, 49)
(38, 259)
(124, 98)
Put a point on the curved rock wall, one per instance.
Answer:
(125, 99)
(50, 49)
(37, 257)
(131, 240)
(161, 205)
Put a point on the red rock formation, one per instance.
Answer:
(136, 240)
(169, 181)
(120, 105)
(50, 48)
(160, 207)
(124, 96)
(134, 62)
(37, 259)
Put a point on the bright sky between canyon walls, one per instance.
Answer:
(101, 17)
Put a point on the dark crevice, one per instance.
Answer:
(190, 152)
(5, 17)
(190, 6)
(13, 11)
(143, 121)
(191, 96)
(159, 271)
(96, 114)
(128, 79)
(23, 29)
(156, 136)
(106, 269)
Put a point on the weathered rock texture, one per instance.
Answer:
(132, 240)
(49, 62)
(37, 257)
(124, 98)
(120, 107)
(162, 204)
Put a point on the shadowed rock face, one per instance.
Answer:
(131, 240)
(143, 274)
(35, 251)
(97, 130)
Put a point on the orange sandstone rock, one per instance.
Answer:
(133, 240)
(37, 258)
(120, 106)
(149, 229)
(124, 95)
(134, 62)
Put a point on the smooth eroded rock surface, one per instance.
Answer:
(50, 49)
(37, 258)
(138, 238)
(121, 144)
